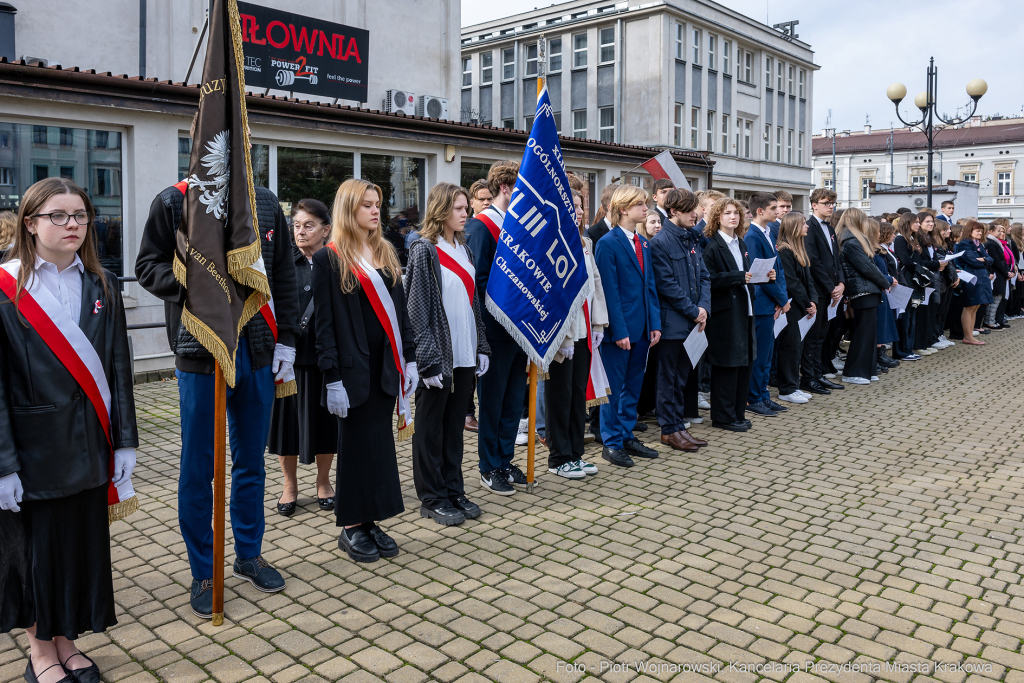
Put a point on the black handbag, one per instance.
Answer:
(923, 277)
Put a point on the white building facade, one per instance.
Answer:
(677, 74)
(983, 152)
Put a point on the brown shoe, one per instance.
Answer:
(692, 439)
(471, 424)
(543, 441)
(679, 443)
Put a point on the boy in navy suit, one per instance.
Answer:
(634, 322)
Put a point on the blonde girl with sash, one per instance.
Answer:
(365, 349)
(67, 431)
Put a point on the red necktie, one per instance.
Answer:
(639, 253)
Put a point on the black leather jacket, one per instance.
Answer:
(49, 431)
(859, 270)
(153, 268)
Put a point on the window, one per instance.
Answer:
(39, 136)
(767, 141)
(800, 150)
(712, 46)
(778, 81)
(41, 173)
(865, 188)
(969, 177)
(101, 139)
(711, 131)
(789, 81)
(508, 64)
(402, 181)
(5, 140)
(555, 55)
(467, 71)
(6, 176)
(67, 172)
(677, 126)
(768, 72)
(778, 144)
(531, 59)
(748, 127)
(528, 122)
(725, 133)
(579, 50)
(696, 46)
(680, 38)
(558, 122)
(694, 126)
(726, 52)
(748, 64)
(67, 137)
(803, 77)
(918, 180)
(303, 172)
(1003, 183)
(827, 182)
(579, 124)
(508, 123)
(789, 146)
(739, 133)
(607, 37)
(486, 68)
(606, 124)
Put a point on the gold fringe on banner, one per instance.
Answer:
(284, 389)
(180, 274)
(541, 376)
(239, 261)
(121, 510)
(597, 401)
(212, 343)
(405, 432)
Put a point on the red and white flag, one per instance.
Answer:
(664, 167)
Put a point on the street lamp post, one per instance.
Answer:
(925, 101)
(831, 132)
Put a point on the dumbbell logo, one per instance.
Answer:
(287, 77)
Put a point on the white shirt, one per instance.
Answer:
(734, 249)
(824, 229)
(628, 233)
(767, 234)
(457, 308)
(65, 285)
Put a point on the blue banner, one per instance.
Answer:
(539, 278)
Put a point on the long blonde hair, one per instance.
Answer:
(347, 236)
(855, 222)
(440, 205)
(790, 227)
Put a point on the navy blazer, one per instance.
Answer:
(630, 294)
(969, 261)
(774, 228)
(682, 280)
(769, 294)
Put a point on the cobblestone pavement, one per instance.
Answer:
(879, 525)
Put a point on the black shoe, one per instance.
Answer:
(814, 388)
(325, 504)
(286, 509)
(260, 574)
(761, 409)
(497, 482)
(887, 362)
(386, 545)
(731, 426)
(748, 423)
(200, 598)
(776, 407)
(30, 673)
(881, 370)
(87, 674)
(985, 331)
(635, 447)
(829, 385)
(515, 476)
(358, 544)
(640, 426)
(443, 514)
(617, 457)
(469, 509)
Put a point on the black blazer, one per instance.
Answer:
(730, 343)
(999, 265)
(909, 260)
(49, 431)
(825, 261)
(597, 231)
(799, 283)
(341, 345)
(305, 342)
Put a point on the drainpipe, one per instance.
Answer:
(516, 85)
(142, 38)
(622, 74)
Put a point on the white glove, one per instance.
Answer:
(567, 352)
(11, 492)
(482, 364)
(412, 378)
(284, 359)
(337, 399)
(433, 382)
(598, 335)
(124, 465)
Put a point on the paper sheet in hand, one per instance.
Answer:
(833, 308)
(1007, 295)
(781, 322)
(927, 295)
(805, 324)
(899, 298)
(949, 258)
(696, 343)
(967, 276)
(759, 269)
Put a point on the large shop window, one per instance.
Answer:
(90, 158)
(260, 155)
(311, 173)
(472, 172)
(401, 179)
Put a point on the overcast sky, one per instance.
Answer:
(864, 46)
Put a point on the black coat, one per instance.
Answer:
(861, 273)
(909, 260)
(999, 265)
(825, 262)
(305, 342)
(598, 230)
(799, 283)
(49, 431)
(729, 320)
(342, 351)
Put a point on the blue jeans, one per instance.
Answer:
(625, 371)
(764, 331)
(249, 407)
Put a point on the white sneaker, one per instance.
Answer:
(949, 342)
(806, 394)
(975, 332)
(524, 424)
(830, 375)
(856, 380)
(588, 468)
(793, 398)
(570, 470)
(686, 425)
(703, 404)
(695, 420)
(521, 439)
(838, 364)
(874, 378)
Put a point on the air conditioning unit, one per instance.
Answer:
(919, 202)
(432, 107)
(400, 101)
(34, 61)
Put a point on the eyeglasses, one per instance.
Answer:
(826, 203)
(61, 218)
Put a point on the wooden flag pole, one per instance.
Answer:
(531, 446)
(220, 394)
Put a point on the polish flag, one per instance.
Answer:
(664, 166)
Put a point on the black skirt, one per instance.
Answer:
(301, 426)
(55, 566)
(367, 485)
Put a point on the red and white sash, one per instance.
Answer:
(452, 260)
(76, 353)
(380, 299)
(598, 388)
(282, 387)
(493, 220)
